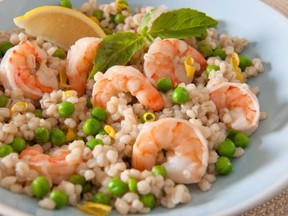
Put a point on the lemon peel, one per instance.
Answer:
(95, 208)
(58, 25)
(235, 63)
(109, 130)
(16, 107)
(70, 135)
(63, 79)
(189, 68)
(122, 5)
(68, 93)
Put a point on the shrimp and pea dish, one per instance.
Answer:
(126, 116)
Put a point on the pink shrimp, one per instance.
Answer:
(165, 58)
(80, 62)
(54, 166)
(187, 151)
(242, 104)
(24, 68)
(126, 79)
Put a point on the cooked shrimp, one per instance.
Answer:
(126, 79)
(242, 104)
(80, 61)
(54, 166)
(24, 68)
(165, 58)
(187, 151)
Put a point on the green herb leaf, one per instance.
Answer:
(116, 49)
(181, 23)
(143, 27)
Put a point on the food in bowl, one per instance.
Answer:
(127, 117)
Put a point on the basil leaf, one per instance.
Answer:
(143, 27)
(116, 49)
(181, 23)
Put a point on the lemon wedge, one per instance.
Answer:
(58, 25)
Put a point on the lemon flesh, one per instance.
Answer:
(58, 25)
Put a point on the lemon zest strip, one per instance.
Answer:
(189, 68)
(95, 208)
(109, 130)
(235, 63)
(14, 107)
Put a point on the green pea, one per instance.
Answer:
(132, 184)
(5, 150)
(119, 18)
(148, 200)
(164, 84)
(180, 95)
(65, 3)
(57, 137)
(223, 165)
(66, 109)
(99, 113)
(38, 113)
(3, 100)
(226, 148)
(202, 36)
(60, 198)
(77, 179)
(231, 133)
(40, 186)
(87, 187)
(244, 61)
(159, 170)
(107, 31)
(4, 47)
(99, 14)
(59, 53)
(211, 67)
(241, 140)
(220, 53)
(205, 49)
(102, 132)
(93, 142)
(117, 187)
(91, 126)
(89, 103)
(101, 198)
(42, 134)
(18, 144)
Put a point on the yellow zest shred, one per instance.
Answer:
(15, 107)
(109, 130)
(235, 63)
(148, 117)
(70, 135)
(68, 93)
(63, 79)
(95, 208)
(122, 5)
(190, 69)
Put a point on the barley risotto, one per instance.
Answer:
(127, 116)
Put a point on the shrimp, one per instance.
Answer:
(24, 68)
(187, 151)
(80, 62)
(126, 79)
(242, 104)
(165, 58)
(54, 166)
